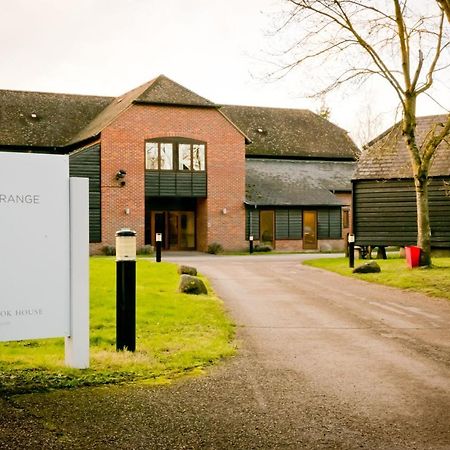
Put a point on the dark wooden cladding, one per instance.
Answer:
(289, 223)
(385, 212)
(86, 164)
(175, 184)
(252, 223)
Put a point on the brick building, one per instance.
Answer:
(162, 159)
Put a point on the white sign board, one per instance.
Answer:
(34, 246)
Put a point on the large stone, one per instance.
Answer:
(370, 267)
(188, 270)
(192, 285)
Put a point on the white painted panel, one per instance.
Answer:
(34, 246)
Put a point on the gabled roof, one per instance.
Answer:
(159, 91)
(295, 133)
(387, 157)
(164, 91)
(278, 182)
(38, 119)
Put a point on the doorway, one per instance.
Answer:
(267, 227)
(310, 230)
(177, 229)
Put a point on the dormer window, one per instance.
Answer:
(176, 155)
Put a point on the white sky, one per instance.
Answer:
(216, 48)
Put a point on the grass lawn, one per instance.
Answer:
(394, 272)
(176, 334)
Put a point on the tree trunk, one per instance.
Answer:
(423, 220)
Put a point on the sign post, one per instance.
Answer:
(44, 248)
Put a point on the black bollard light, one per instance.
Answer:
(250, 243)
(158, 240)
(126, 290)
(351, 250)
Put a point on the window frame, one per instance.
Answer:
(176, 142)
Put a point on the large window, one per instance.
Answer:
(178, 155)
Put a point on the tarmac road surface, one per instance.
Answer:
(324, 362)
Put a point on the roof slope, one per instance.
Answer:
(288, 182)
(160, 91)
(387, 157)
(164, 91)
(290, 133)
(44, 119)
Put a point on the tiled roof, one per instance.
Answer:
(58, 120)
(290, 133)
(293, 182)
(43, 119)
(164, 91)
(387, 156)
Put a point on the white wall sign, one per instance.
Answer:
(34, 246)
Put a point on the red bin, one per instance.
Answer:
(412, 253)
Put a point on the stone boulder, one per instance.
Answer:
(192, 285)
(370, 267)
(188, 270)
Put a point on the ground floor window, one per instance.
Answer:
(308, 224)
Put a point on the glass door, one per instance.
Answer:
(267, 227)
(310, 230)
(177, 228)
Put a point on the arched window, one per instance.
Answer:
(176, 154)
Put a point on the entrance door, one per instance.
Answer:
(267, 227)
(177, 228)
(309, 230)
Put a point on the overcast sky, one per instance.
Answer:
(217, 48)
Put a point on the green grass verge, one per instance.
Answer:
(394, 272)
(176, 334)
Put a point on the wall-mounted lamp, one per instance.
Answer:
(120, 175)
(127, 211)
(224, 211)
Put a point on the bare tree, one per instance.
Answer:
(403, 41)
(445, 6)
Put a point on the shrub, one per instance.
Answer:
(215, 248)
(146, 250)
(263, 248)
(109, 250)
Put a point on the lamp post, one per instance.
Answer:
(126, 290)
(250, 242)
(158, 246)
(351, 250)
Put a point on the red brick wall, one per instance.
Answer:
(123, 148)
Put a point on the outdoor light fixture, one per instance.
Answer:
(127, 211)
(224, 210)
(120, 175)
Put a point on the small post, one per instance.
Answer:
(250, 242)
(77, 344)
(158, 246)
(351, 250)
(126, 290)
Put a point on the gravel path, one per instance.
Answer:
(324, 362)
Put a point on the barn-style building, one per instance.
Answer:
(162, 159)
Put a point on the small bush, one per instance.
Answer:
(263, 248)
(109, 250)
(146, 250)
(215, 248)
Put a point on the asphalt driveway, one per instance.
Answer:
(324, 362)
